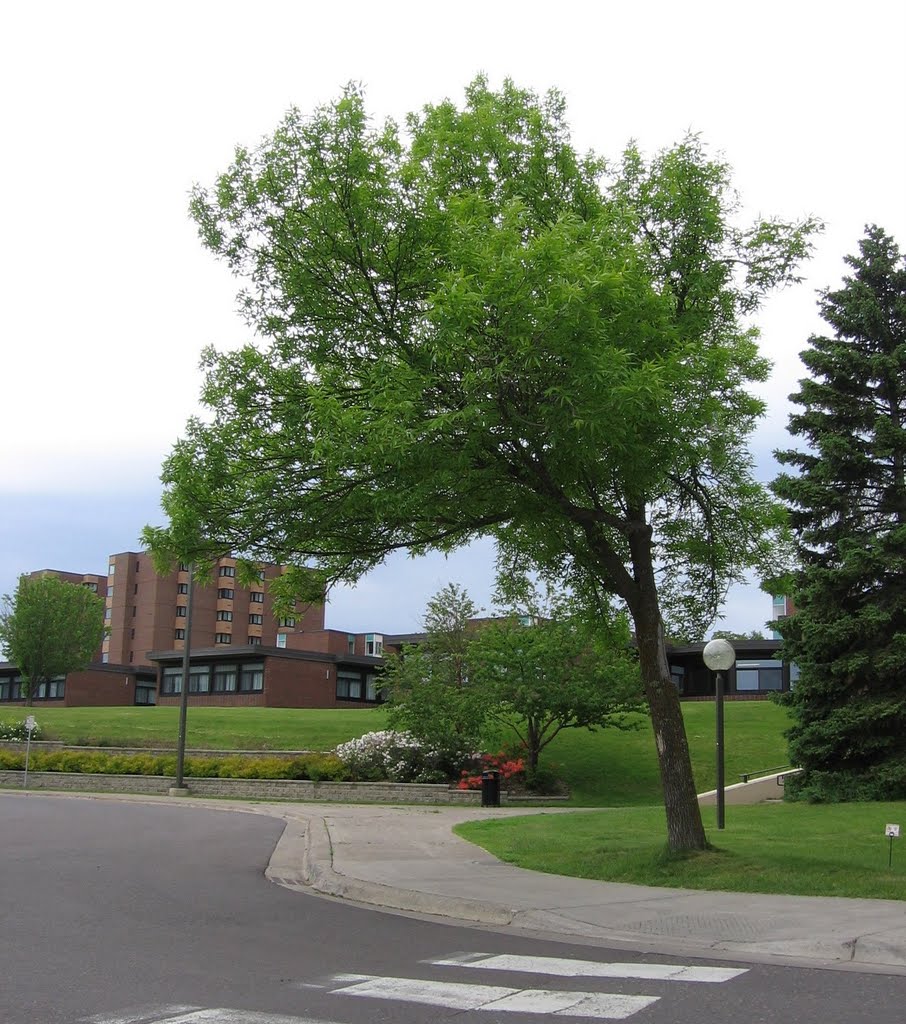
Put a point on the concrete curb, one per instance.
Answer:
(307, 843)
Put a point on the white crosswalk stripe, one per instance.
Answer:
(565, 968)
(199, 1015)
(453, 996)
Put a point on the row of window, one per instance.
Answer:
(17, 689)
(215, 679)
(227, 594)
(351, 686)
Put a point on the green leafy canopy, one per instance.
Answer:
(468, 328)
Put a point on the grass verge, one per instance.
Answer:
(797, 849)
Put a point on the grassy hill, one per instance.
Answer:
(604, 768)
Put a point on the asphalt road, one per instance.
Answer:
(138, 914)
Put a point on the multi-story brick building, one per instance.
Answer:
(147, 612)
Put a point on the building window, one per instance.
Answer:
(374, 644)
(251, 678)
(134, 611)
(107, 613)
(56, 688)
(225, 677)
(199, 679)
(349, 685)
(110, 590)
(144, 694)
(255, 619)
(132, 633)
(225, 594)
(224, 616)
(223, 638)
(371, 691)
(350, 643)
(137, 566)
(4, 689)
(256, 597)
(182, 588)
(180, 611)
(288, 621)
(93, 587)
(130, 657)
(179, 634)
(171, 681)
(111, 569)
(134, 588)
(281, 640)
(755, 676)
(183, 566)
(227, 570)
(105, 657)
(254, 641)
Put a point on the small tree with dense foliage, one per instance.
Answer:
(848, 510)
(50, 627)
(548, 670)
(427, 686)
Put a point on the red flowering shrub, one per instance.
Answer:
(510, 766)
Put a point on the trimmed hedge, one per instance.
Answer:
(311, 767)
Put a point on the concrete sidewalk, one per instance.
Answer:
(408, 859)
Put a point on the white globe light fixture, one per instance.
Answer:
(720, 657)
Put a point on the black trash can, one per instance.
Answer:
(490, 788)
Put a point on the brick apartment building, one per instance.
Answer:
(147, 612)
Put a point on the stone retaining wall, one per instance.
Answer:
(253, 789)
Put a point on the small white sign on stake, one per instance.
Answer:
(892, 831)
(30, 723)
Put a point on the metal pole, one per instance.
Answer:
(184, 692)
(719, 709)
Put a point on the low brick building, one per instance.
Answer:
(276, 677)
(98, 685)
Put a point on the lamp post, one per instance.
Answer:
(179, 788)
(719, 657)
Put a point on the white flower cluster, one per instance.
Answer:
(395, 756)
(17, 731)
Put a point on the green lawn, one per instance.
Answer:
(606, 768)
(207, 728)
(800, 849)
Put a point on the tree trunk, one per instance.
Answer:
(685, 830)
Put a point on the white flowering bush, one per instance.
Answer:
(399, 757)
(17, 731)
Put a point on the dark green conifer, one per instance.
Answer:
(848, 512)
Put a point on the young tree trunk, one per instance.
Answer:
(533, 743)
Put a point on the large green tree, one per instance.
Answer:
(50, 627)
(847, 503)
(471, 329)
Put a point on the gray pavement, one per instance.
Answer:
(408, 859)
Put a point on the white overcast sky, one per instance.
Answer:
(111, 111)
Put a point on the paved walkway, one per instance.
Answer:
(407, 858)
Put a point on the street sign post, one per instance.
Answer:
(892, 832)
(30, 726)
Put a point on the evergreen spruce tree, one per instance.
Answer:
(848, 511)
